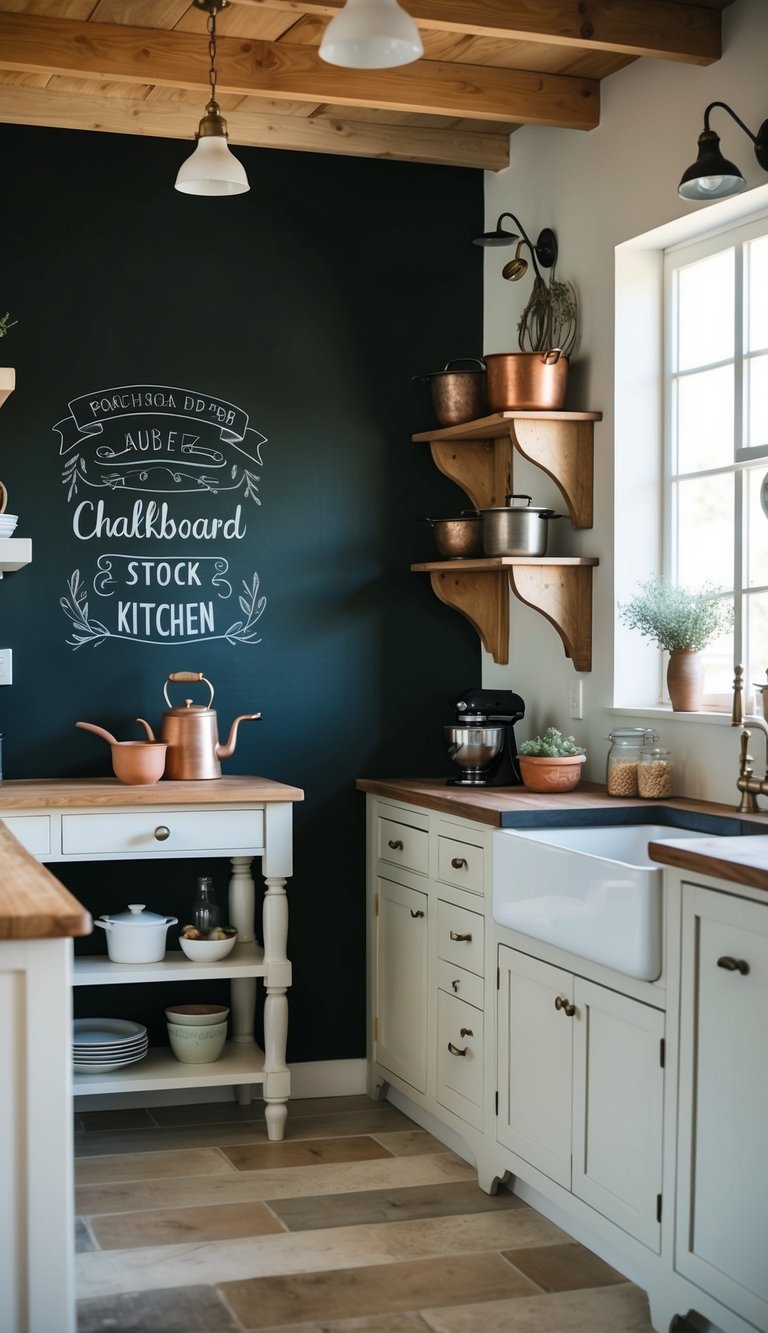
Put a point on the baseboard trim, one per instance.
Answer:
(315, 1078)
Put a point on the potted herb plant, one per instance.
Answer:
(551, 762)
(682, 622)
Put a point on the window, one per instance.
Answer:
(715, 529)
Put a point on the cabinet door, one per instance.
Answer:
(722, 1159)
(534, 1063)
(401, 993)
(618, 1091)
(460, 1058)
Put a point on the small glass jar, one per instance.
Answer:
(654, 773)
(624, 758)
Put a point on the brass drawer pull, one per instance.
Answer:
(455, 1050)
(568, 1009)
(396, 844)
(162, 832)
(454, 936)
(733, 965)
(459, 862)
(415, 914)
(455, 986)
(466, 1032)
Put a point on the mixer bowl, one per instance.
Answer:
(473, 749)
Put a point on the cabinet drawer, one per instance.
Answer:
(143, 832)
(457, 981)
(32, 831)
(460, 1058)
(460, 936)
(404, 845)
(460, 863)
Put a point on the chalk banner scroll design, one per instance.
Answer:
(176, 472)
(155, 439)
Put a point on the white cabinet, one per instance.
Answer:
(400, 1035)
(581, 1088)
(723, 1100)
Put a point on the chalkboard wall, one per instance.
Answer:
(245, 360)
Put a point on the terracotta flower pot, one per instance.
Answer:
(543, 774)
(685, 680)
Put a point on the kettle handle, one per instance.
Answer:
(184, 676)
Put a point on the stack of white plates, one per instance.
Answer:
(100, 1045)
(8, 524)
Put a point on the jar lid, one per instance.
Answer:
(638, 734)
(655, 752)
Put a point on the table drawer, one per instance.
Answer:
(457, 981)
(460, 937)
(404, 845)
(32, 831)
(143, 832)
(460, 1059)
(460, 863)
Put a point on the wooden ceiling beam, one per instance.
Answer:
(39, 45)
(690, 33)
(115, 115)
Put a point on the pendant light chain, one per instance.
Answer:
(212, 49)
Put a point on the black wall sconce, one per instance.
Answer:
(712, 176)
(544, 250)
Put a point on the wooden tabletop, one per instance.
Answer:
(100, 793)
(33, 904)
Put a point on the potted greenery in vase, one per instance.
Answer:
(682, 622)
(551, 762)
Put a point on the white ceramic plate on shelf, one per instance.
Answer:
(106, 1068)
(105, 1031)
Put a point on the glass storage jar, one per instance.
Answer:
(654, 773)
(624, 757)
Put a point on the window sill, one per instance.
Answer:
(709, 717)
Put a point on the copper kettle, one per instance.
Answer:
(190, 731)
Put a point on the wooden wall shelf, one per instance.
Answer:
(559, 588)
(478, 455)
(15, 553)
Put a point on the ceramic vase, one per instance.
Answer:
(685, 680)
(542, 774)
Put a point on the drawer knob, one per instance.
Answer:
(568, 1009)
(415, 914)
(455, 1050)
(466, 1032)
(162, 832)
(455, 986)
(734, 965)
(396, 844)
(459, 862)
(455, 936)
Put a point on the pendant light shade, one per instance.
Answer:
(371, 34)
(212, 170)
(712, 176)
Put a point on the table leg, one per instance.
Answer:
(276, 1074)
(242, 898)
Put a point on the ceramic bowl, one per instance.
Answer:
(197, 1045)
(208, 951)
(197, 1015)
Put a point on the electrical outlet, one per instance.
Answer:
(575, 701)
(6, 666)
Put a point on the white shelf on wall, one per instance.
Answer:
(15, 553)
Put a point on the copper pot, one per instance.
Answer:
(457, 395)
(527, 381)
(191, 734)
(137, 763)
(458, 538)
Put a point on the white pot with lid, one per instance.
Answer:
(136, 936)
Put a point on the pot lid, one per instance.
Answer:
(137, 915)
(188, 708)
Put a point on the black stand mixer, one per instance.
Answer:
(482, 740)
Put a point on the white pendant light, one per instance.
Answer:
(212, 169)
(371, 34)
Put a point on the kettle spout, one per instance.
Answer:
(147, 728)
(226, 751)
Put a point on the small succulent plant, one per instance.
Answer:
(552, 745)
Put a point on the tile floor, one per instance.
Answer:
(190, 1221)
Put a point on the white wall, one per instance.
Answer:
(598, 190)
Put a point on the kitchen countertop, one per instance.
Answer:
(33, 904)
(59, 793)
(738, 860)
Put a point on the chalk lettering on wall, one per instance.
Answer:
(171, 586)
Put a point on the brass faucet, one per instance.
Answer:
(749, 786)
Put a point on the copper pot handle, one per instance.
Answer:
(185, 677)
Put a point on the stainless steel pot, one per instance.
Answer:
(458, 538)
(516, 530)
(457, 395)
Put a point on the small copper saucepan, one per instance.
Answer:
(137, 763)
(458, 538)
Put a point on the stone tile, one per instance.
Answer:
(563, 1267)
(152, 1165)
(620, 1309)
(512, 1228)
(368, 1207)
(312, 1152)
(373, 1290)
(134, 1117)
(194, 1310)
(409, 1142)
(221, 1113)
(375, 1323)
(83, 1237)
(168, 1226)
(186, 1191)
